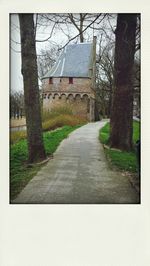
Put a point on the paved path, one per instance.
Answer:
(79, 173)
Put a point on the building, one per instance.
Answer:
(71, 81)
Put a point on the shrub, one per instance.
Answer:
(62, 120)
(60, 110)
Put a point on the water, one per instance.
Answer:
(20, 128)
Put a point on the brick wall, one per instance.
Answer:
(76, 95)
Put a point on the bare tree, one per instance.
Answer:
(31, 90)
(105, 77)
(46, 59)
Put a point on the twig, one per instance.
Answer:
(80, 32)
(49, 36)
(15, 50)
(15, 41)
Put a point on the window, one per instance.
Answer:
(50, 80)
(70, 80)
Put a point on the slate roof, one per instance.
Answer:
(74, 61)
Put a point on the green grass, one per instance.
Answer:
(126, 161)
(20, 172)
(123, 160)
(136, 131)
(104, 134)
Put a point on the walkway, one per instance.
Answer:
(79, 173)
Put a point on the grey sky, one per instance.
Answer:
(16, 77)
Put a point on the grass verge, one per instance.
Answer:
(126, 161)
(51, 123)
(20, 172)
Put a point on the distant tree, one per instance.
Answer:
(105, 78)
(16, 104)
(31, 90)
(47, 59)
(122, 105)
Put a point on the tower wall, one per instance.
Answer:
(77, 95)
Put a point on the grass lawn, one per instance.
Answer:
(20, 172)
(123, 160)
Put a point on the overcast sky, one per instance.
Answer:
(16, 77)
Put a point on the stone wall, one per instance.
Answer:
(79, 95)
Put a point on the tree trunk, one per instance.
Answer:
(122, 103)
(31, 90)
(110, 101)
(81, 28)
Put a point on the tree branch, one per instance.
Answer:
(15, 50)
(49, 36)
(80, 32)
(73, 21)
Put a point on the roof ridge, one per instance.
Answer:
(79, 43)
